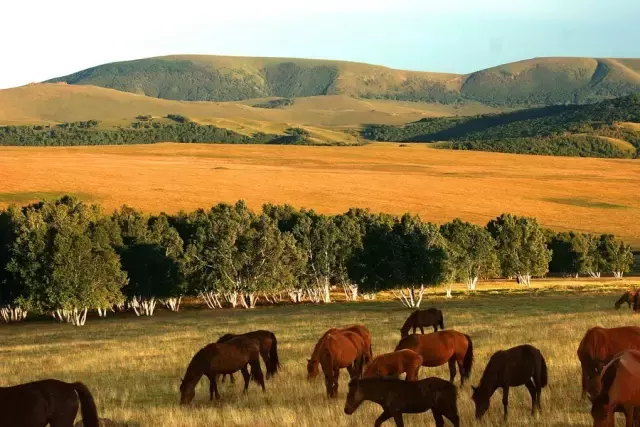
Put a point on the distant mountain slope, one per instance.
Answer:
(539, 81)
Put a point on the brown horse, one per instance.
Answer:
(222, 358)
(363, 332)
(620, 389)
(46, 403)
(394, 364)
(598, 347)
(517, 366)
(340, 350)
(420, 319)
(268, 349)
(399, 397)
(441, 347)
(627, 297)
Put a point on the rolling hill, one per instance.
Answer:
(539, 81)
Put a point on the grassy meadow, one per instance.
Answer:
(589, 195)
(134, 365)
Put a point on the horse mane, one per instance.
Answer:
(410, 321)
(608, 376)
(199, 361)
(226, 337)
(315, 355)
(594, 344)
(490, 375)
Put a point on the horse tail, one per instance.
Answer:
(468, 359)
(87, 406)
(543, 376)
(256, 370)
(273, 356)
(441, 320)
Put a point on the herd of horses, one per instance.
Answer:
(609, 359)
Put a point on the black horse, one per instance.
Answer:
(47, 403)
(268, 349)
(521, 365)
(420, 319)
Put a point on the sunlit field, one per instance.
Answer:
(134, 365)
(587, 195)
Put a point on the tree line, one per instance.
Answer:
(65, 257)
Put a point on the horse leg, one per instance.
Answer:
(505, 400)
(452, 370)
(533, 391)
(437, 416)
(352, 371)
(247, 377)
(336, 376)
(213, 383)
(382, 418)
(328, 382)
(628, 414)
(422, 330)
(211, 379)
(398, 419)
(435, 328)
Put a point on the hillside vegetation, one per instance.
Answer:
(539, 81)
(604, 129)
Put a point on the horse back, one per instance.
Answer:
(361, 330)
(343, 348)
(605, 343)
(34, 403)
(435, 348)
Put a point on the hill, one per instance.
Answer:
(604, 129)
(539, 81)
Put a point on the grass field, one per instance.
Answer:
(594, 195)
(134, 365)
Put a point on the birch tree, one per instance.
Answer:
(521, 247)
(11, 290)
(617, 254)
(472, 252)
(570, 254)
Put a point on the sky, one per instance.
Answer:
(48, 38)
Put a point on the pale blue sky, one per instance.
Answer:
(43, 39)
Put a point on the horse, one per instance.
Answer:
(521, 365)
(222, 358)
(394, 364)
(47, 403)
(420, 318)
(268, 350)
(399, 397)
(339, 350)
(626, 297)
(620, 381)
(598, 347)
(363, 332)
(441, 347)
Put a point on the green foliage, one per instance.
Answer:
(521, 246)
(571, 130)
(178, 118)
(571, 254)
(275, 103)
(63, 256)
(618, 257)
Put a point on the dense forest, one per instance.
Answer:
(571, 130)
(65, 257)
(143, 131)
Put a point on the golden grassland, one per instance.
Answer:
(134, 365)
(590, 195)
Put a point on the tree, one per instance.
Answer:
(571, 254)
(618, 255)
(64, 257)
(521, 247)
(11, 290)
(152, 256)
(472, 251)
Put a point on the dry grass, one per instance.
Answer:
(596, 195)
(134, 365)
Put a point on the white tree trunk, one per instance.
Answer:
(369, 296)
(211, 298)
(449, 288)
(232, 298)
(102, 312)
(78, 317)
(350, 291)
(314, 295)
(410, 299)
(296, 295)
(618, 274)
(525, 279)
(325, 291)
(594, 274)
(10, 313)
(144, 306)
(172, 303)
(471, 283)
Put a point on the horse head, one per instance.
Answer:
(481, 400)
(354, 398)
(313, 368)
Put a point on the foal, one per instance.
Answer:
(394, 364)
(522, 365)
(399, 397)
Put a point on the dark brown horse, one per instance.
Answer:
(46, 403)
(363, 332)
(222, 358)
(268, 349)
(620, 391)
(399, 397)
(521, 365)
(339, 350)
(394, 364)
(420, 319)
(441, 347)
(598, 347)
(627, 297)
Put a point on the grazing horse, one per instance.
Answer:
(268, 349)
(339, 350)
(363, 332)
(394, 364)
(46, 403)
(441, 347)
(399, 397)
(420, 319)
(626, 297)
(222, 358)
(598, 347)
(521, 365)
(620, 389)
